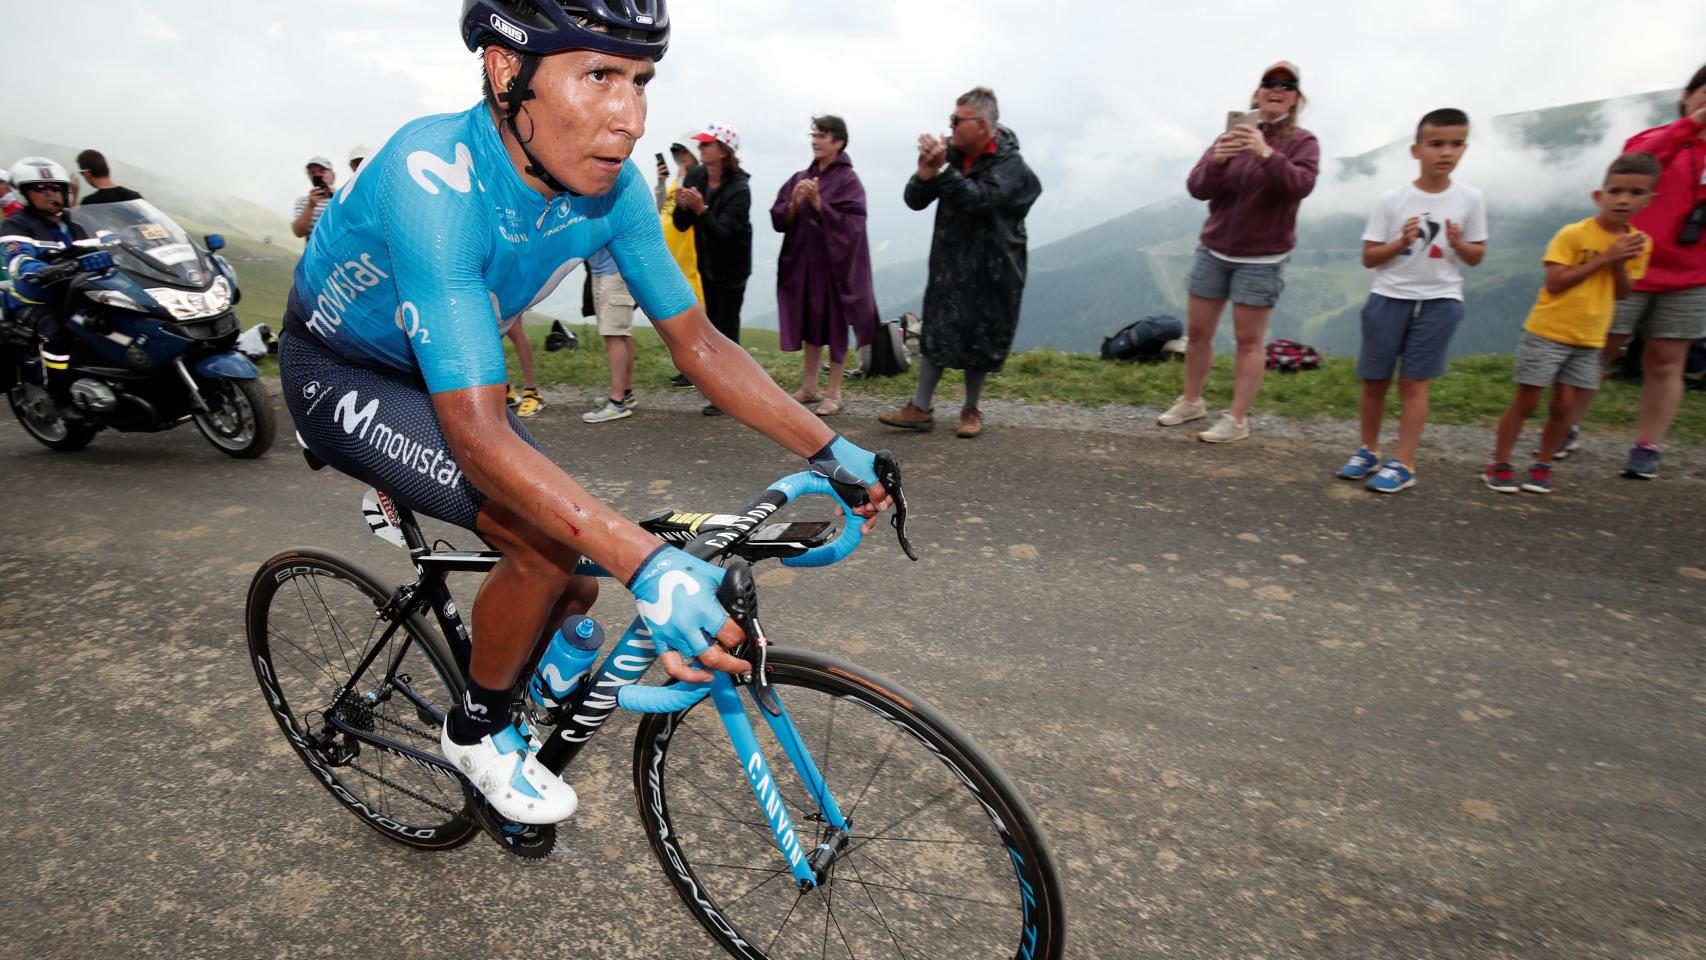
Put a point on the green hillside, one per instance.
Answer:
(259, 244)
(1086, 286)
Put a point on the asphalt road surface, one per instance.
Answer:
(1260, 712)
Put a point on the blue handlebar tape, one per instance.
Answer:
(806, 483)
(667, 699)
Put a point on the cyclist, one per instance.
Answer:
(392, 361)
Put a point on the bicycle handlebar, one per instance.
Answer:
(806, 483)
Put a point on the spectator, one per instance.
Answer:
(1415, 238)
(528, 403)
(680, 242)
(1254, 177)
(93, 166)
(308, 208)
(613, 305)
(977, 254)
(1668, 305)
(1589, 267)
(356, 156)
(10, 201)
(35, 297)
(716, 203)
(823, 277)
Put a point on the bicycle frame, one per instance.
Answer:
(597, 697)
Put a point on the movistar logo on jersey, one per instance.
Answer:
(363, 421)
(457, 173)
(343, 284)
(508, 29)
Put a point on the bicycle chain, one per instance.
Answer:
(405, 790)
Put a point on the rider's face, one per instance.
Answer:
(589, 110)
(46, 198)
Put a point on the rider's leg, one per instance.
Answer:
(513, 610)
(56, 342)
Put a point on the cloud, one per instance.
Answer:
(1112, 102)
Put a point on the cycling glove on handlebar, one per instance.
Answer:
(676, 594)
(847, 464)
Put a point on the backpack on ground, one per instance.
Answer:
(887, 354)
(1143, 341)
(257, 341)
(560, 338)
(1289, 356)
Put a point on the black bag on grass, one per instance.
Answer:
(1143, 340)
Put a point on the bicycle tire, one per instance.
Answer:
(303, 651)
(985, 884)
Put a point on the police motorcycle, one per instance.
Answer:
(156, 339)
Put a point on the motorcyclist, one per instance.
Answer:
(34, 301)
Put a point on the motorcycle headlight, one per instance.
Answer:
(193, 304)
(112, 298)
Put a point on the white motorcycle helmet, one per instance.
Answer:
(34, 170)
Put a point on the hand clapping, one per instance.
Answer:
(932, 153)
(691, 198)
(1626, 248)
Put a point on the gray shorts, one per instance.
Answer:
(1252, 284)
(1418, 331)
(1672, 315)
(1541, 363)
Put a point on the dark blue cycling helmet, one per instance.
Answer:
(626, 28)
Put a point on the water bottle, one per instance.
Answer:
(573, 649)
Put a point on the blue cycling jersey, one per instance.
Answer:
(437, 241)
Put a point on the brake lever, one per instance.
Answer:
(739, 596)
(888, 474)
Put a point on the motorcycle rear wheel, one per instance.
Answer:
(50, 430)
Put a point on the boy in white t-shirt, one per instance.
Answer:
(1415, 239)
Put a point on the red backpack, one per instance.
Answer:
(1289, 356)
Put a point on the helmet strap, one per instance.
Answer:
(518, 91)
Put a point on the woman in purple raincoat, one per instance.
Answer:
(823, 279)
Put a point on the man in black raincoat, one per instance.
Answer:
(977, 254)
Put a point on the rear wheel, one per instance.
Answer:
(40, 418)
(944, 859)
(311, 618)
(238, 420)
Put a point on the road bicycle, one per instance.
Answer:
(883, 830)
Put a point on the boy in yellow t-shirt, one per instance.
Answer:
(1589, 266)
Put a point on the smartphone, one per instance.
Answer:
(319, 182)
(1237, 118)
(661, 164)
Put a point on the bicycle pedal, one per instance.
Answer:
(527, 841)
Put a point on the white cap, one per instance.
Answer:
(722, 133)
(322, 161)
(359, 153)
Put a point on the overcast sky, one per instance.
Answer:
(1112, 101)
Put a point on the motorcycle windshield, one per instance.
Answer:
(148, 242)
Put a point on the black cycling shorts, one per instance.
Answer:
(378, 426)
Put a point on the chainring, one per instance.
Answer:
(527, 841)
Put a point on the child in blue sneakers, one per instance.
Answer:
(1589, 267)
(1414, 241)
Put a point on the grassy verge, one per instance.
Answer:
(1474, 392)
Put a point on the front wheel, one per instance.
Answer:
(239, 420)
(40, 418)
(944, 859)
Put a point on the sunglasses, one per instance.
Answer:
(955, 119)
(44, 188)
(1278, 84)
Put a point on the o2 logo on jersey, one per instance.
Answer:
(409, 321)
(457, 173)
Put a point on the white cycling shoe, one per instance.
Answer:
(503, 769)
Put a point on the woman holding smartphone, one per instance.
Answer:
(1254, 177)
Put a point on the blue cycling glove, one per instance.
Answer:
(676, 593)
(845, 462)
